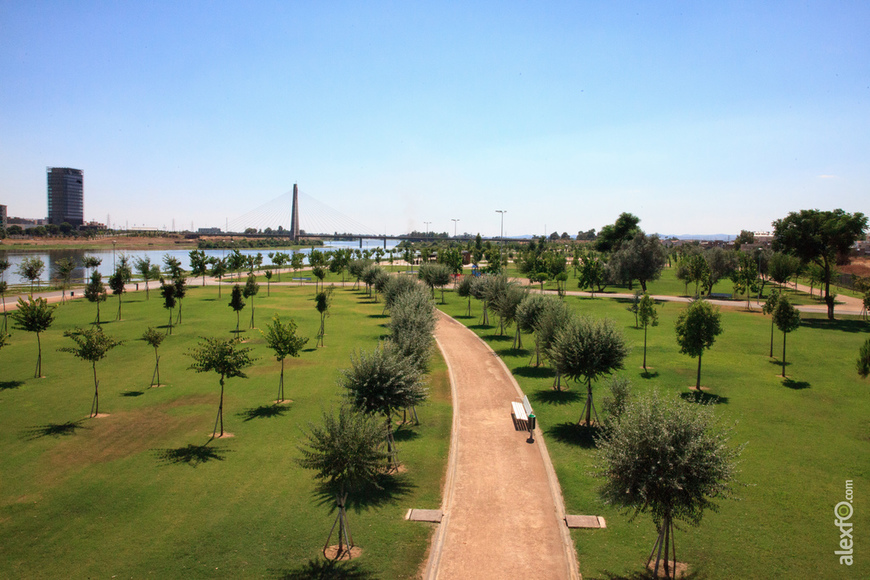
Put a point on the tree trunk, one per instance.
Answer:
(829, 300)
(96, 406)
(119, 307)
(170, 321)
(698, 382)
(784, 334)
(38, 357)
(771, 338)
(644, 346)
(252, 312)
(281, 384)
(220, 415)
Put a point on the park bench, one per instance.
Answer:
(524, 417)
(719, 296)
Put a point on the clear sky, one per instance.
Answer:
(698, 117)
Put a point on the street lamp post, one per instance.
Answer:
(454, 226)
(427, 228)
(113, 254)
(502, 212)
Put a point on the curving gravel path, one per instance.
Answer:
(503, 508)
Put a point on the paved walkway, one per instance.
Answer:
(503, 508)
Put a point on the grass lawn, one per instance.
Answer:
(142, 492)
(805, 437)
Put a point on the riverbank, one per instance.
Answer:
(100, 243)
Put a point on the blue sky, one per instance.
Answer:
(699, 117)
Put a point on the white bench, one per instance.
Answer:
(522, 412)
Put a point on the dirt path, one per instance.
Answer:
(503, 508)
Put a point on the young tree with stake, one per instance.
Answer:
(96, 292)
(154, 337)
(697, 328)
(251, 289)
(346, 453)
(787, 318)
(646, 312)
(225, 358)
(322, 302)
(586, 348)
(237, 303)
(668, 458)
(768, 308)
(282, 339)
(167, 290)
(91, 345)
(34, 316)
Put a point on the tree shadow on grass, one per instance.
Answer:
(5, 385)
(132, 393)
(379, 315)
(327, 570)
(574, 434)
(795, 385)
(192, 455)
(843, 325)
(52, 430)
(387, 489)
(644, 575)
(405, 435)
(703, 398)
(534, 372)
(551, 397)
(649, 375)
(264, 412)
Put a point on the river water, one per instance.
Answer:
(109, 257)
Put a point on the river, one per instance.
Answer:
(109, 257)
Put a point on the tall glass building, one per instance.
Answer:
(66, 196)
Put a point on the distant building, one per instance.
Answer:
(66, 197)
(3, 217)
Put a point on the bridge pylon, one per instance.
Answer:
(294, 216)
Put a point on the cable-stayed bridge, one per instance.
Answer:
(298, 215)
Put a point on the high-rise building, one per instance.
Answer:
(66, 196)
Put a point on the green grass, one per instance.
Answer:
(805, 437)
(143, 492)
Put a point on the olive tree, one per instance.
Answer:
(587, 348)
(464, 291)
(528, 313)
(412, 324)
(346, 453)
(282, 339)
(34, 316)
(227, 359)
(697, 328)
(382, 382)
(668, 458)
(91, 345)
(787, 318)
